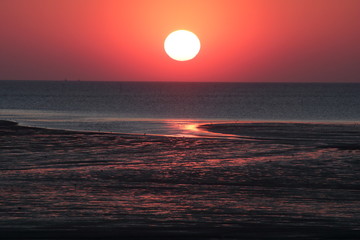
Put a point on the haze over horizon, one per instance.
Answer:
(243, 41)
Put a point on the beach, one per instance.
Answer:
(266, 181)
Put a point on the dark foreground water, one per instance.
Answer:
(278, 181)
(263, 180)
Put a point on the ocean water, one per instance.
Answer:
(169, 108)
(290, 170)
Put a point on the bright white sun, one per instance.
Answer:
(182, 45)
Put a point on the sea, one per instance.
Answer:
(168, 108)
(161, 160)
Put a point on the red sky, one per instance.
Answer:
(254, 40)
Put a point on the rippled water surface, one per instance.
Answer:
(288, 169)
(259, 187)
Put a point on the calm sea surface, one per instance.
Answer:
(163, 108)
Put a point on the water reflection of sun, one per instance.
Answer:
(191, 127)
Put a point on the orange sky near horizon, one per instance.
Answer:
(242, 40)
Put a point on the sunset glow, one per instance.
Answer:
(180, 119)
(241, 40)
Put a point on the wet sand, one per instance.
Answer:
(341, 136)
(59, 184)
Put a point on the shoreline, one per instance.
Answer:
(222, 127)
(58, 184)
(12, 125)
(339, 135)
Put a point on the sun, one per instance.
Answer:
(182, 45)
